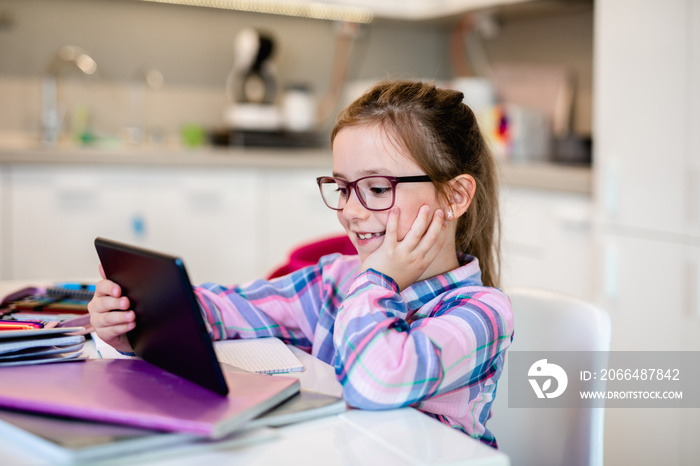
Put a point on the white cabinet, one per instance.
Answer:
(229, 224)
(641, 126)
(547, 240)
(646, 169)
(293, 213)
(644, 287)
(645, 290)
(204, 216)
(693, 98)
(56, 212)
(208, 217)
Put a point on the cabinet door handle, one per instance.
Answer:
(138, 226)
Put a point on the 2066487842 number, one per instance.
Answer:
(640, 374)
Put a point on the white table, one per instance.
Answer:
(395, 437)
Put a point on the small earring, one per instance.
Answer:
(450, 214)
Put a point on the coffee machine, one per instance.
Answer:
(253, 84)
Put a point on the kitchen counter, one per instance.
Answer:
(576, 179)
(568, 178)
(204, 157)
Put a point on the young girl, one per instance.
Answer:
(414, 319)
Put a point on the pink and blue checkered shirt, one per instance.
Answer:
(439, 345)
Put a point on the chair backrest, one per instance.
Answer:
(309, 253)
(549, 321)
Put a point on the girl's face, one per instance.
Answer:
(366, 150)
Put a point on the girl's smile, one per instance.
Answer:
(368, 236)
(368, 241)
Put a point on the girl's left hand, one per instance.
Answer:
(406, 260)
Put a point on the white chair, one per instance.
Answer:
(549, 321)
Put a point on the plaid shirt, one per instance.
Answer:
(438, 346)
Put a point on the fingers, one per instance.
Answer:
(434, 238)
(115, 335)
(107, 288)
(392, 227)
(102, 315)
(108, 304)
(112, 325)
(406, 259)
(418, 228)
(108, 298)
(115, 319)
(110, 315)
(102, 272)
(426, 237)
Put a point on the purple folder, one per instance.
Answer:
(137, 393)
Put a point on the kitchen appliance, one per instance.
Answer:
(253, 83)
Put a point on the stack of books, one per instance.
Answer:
(57, 303)
(41, 325)
(40, 345)
(85, 439)
(74, 441)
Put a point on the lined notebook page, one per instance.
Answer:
(261, 355)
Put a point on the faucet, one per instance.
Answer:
(51, 115)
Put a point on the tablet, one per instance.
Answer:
(170, 332)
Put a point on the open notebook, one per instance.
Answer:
(261, 355)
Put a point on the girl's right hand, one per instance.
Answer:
(110, 314)
(406, 260)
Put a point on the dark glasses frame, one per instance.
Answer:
(350, 185)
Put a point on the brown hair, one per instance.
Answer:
(442, 135)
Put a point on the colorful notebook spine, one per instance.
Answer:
(71, 290)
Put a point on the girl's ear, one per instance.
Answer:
(462, 189)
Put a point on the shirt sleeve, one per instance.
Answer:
(385, 361)
(286, 307)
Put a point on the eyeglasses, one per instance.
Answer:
(375, 192)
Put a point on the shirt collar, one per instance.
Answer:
(420, 293)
